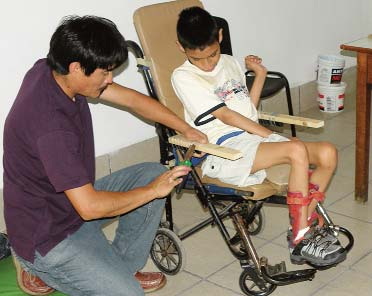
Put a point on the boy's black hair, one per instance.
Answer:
(92, 41)
(196, 28)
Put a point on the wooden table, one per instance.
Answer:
(363, 48)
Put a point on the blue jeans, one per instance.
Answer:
(86, 263)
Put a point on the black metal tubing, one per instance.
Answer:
(289, 277)
(350, 237)
(254, 211)
(215, 216)
(289, 98)
(169, 212)
(138, 53)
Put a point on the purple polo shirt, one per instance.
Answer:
(48, 148)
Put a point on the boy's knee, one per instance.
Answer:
(298, 152)
(328, 155)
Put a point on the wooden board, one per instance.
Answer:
(213, 149)
(302, 121)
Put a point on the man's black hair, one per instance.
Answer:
(92, 41)
(196, 28)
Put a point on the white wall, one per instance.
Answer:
(288, 35)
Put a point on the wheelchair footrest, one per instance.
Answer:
(277, 274)
(276, 269)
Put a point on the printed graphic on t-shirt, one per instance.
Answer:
(231, 89)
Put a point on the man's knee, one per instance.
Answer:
(150, 170)
(154, 168)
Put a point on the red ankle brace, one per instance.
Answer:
(296, 201)
(314, 193)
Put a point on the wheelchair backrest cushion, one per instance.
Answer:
(156, 28)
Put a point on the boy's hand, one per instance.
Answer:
(254, 63)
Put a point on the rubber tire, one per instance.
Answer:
(167, 241)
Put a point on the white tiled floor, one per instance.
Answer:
(212, 270)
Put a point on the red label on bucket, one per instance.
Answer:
(331, 98)
(336, 75)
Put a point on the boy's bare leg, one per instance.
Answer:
(324, 156)
(312, 246)
(295, 154)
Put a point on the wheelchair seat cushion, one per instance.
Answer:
(252, 192)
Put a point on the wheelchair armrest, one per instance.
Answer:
(213, 149)
(302, 121)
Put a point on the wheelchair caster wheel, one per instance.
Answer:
(167, 252)
(251, 283)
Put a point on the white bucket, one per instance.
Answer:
(330, 69)
(331, 98)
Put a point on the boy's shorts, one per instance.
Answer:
(238, 172)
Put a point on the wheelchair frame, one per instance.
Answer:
(258, 276)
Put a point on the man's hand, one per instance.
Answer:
(254, 63)
(165, 183)
(193, 134)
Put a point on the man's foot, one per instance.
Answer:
(317, 250)
(151, 281)
(29, 283)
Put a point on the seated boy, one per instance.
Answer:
(213, 91)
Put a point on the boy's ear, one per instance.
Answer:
(180, 47)
(220, 35)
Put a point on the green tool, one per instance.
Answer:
(186, 162)
(187, 159)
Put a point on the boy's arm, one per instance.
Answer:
(254, 63)
(150, 109)
(232, 118)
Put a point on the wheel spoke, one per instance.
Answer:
(169, 262)
(171, 258)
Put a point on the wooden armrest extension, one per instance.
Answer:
(234, 154)
(308, 122)
(213, 149)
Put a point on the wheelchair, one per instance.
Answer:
(241, 205)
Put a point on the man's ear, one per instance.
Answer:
(74, 67)
(180, 47)
(220, 35)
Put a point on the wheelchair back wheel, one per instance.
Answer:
(167, 252)
(255, 224)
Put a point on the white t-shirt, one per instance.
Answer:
(204, 92)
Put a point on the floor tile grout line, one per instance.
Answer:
(329, 283)
(205, 279)
(220, 286)
(362, 257)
